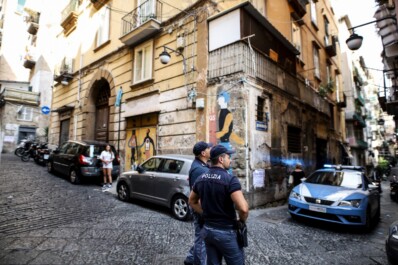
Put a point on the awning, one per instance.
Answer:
(63, 108)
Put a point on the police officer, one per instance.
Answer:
(197, 253)
(217, 196)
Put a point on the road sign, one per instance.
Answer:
(45, 110)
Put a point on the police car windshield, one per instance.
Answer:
(349, 179)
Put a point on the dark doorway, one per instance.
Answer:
(64, 135)
(102, 111)
(26, 133)
(321, 153)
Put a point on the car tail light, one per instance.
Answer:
(118, 158)
(84, 160)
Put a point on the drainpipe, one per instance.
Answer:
(78, 98)
(246, 139)
(80, 81)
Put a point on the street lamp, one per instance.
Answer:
(165, 57)
(354, 42)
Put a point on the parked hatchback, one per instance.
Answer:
(80, 159)
(163, 180)
(392, 243)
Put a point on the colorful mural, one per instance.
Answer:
(221, 125)
(140, 146)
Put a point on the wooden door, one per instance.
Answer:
(101, 126)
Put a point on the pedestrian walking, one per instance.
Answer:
(297, 174)
(197, 253)
(107, 157)
(217, 196)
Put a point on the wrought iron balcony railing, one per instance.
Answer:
(70, 8)
(299, 7)
(238, 57)
(150, 9)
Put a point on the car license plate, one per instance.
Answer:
(317, 209)
(46, 156)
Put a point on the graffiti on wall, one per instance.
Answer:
(221, 122)
(140, 146)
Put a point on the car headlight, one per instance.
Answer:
(394, 231)
(352, 203)
(294, 195)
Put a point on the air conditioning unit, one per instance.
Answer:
(67, 65)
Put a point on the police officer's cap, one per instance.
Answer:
(200, 146)
(218, 150)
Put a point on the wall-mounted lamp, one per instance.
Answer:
(66, 79)
(65, 82)
(354, 42)
(165, 57)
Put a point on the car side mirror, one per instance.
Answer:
(303, 179)
(140, 169)
(56, 151)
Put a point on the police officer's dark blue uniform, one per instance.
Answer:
(220, 196)
(197, 253)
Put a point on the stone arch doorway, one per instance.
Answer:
(97, 107)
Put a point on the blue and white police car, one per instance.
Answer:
(337, 194)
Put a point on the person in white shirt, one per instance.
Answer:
(107, 157)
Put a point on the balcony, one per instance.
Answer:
(330, 45)
(30, 58)
(141, 23)
(29, 63)
(21, 96)
(98, 3)
(69, 16)
(342, 103)
(358, 120)
(299, 8)
(33, 21)
(238, 58)
(64, 72)
(392, 108)
(360, 144)
(360, 100)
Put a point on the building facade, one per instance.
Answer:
(260, 77)
(21, 99)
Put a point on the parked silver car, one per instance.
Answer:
(163, 180)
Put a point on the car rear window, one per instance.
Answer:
(349, 179)
(95, 150)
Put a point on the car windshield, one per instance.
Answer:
(349, 179)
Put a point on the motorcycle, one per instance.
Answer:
(42, 154)
(394, 188)
(23, 146)
(31, 153)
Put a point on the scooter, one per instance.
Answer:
(31, 153)
(394, 188)
(23, 146)
(42, 154)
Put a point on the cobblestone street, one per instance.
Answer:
(44, 219)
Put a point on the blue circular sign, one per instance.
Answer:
(45, 110)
